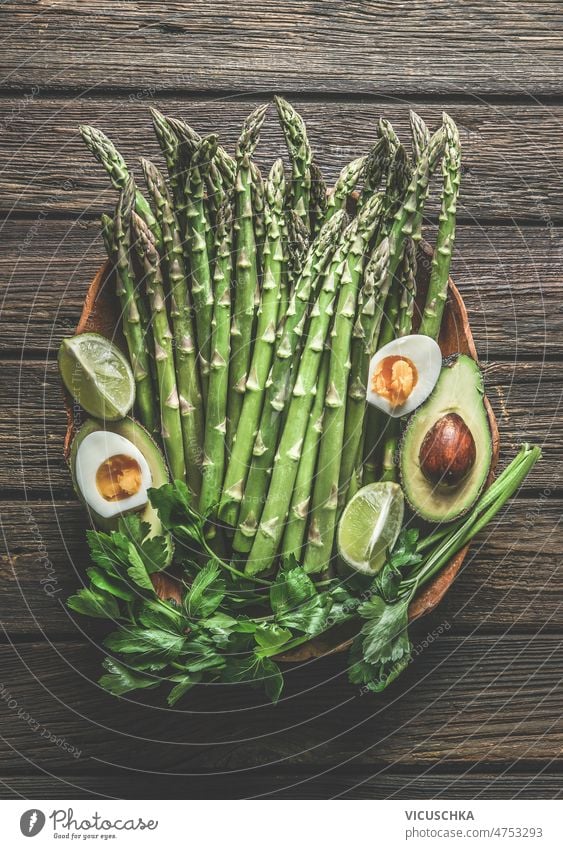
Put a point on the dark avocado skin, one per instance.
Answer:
(459, 390)
(135, 433)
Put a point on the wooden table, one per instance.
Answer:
(479, 712)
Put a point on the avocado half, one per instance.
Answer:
(136, 434)
(459, 390)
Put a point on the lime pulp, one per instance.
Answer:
(370, 525)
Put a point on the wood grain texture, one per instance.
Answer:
(304, 46)
(480, 698)
(511, 572)
(277, 784)
(511, 280)
(525, 396)
(512, 164)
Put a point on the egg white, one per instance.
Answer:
(425, 353)
(94, 450)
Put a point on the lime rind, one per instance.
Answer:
(97, 375)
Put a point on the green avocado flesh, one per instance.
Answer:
(135, 433)
(459, 390)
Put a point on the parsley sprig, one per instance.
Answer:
(228, 629)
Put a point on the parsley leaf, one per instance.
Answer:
(94, 602)
(256, 671)
(206, 592)
(297, 604)
(135, 640)
(120, 679)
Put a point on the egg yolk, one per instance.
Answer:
(118, 477)
(394, 379)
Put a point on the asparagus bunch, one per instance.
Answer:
(252, 309)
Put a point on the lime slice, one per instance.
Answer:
(370, 525)
(97, 375)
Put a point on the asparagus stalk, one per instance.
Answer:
(344, 186)
(246, 271)
(130, 316)
(319, 200)
(280, 382)
(200, 272)
(258, 212)
(420, 135)
(109, 157)
(214, 449)
(171, 150)
(249, 421)
(170, 419)
(366, 329)
(297, 244)
(400, 314)
(300, 154)
(377, 162)
(324, 502)
(438, 285)
(408, 289)
(187, 376)
(346, 265)
(294, 533)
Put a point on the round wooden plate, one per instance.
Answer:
(100, 314)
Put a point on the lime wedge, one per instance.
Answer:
(97, 375)
(370, 525)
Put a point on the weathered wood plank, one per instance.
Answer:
(510, 278)
(511, 574)
(524, 395)
(386, 784)
(485, 699)
(511, 161)
(319, 47)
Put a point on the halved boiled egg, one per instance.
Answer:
(111, 473)
(403, 373)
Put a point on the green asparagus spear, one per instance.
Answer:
(319, 199)
(170, 419)
(200, 271)
(246, 271)
(107, 155)
(258, 212)
(344, 186)
(376, 164)
(294, 533)
(408, 289)
(131, 320)
(299, 150)
(438, 285)
(366, 329)
(400, 313)
(346, 265)
(171, 150)
(187, 377)
(249, 421)
(324, 502)
(216, 418)
(107, 236)
(420, 135)
(298, 242)
(281, 379)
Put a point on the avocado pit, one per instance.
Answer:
(448, 451)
